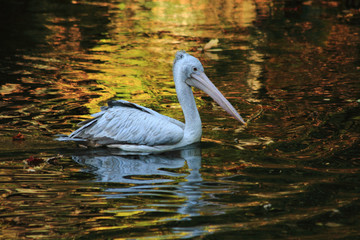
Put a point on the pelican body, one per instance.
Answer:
(134, 128)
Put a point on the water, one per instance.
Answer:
(290, 67)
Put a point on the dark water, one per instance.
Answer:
(291, 67)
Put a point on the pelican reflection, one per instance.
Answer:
(174, 174)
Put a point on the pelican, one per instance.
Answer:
(133, 128)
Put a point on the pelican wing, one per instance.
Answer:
(123, 122)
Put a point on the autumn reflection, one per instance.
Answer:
(295, 173)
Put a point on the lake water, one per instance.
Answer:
(290, 67)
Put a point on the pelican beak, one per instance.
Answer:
(201, 81)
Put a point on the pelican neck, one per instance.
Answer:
(192, 131)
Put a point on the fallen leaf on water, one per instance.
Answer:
(52, 160)
(211, 44)
(32, 161)
(18, 137)
(238, 168)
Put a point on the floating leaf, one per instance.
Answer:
(52, 160)
(18, 137)
(211, 44)
(32, 161)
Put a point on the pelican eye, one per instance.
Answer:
(195, 69)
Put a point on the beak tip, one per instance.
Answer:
(240, 119)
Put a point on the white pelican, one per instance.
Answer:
(134, 128)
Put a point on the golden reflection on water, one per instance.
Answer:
(132, 61)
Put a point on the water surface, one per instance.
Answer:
(290, 68)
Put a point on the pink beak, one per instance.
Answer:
(202, 82)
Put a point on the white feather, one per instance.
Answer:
(125, 122)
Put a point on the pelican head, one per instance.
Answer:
(189, 71)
